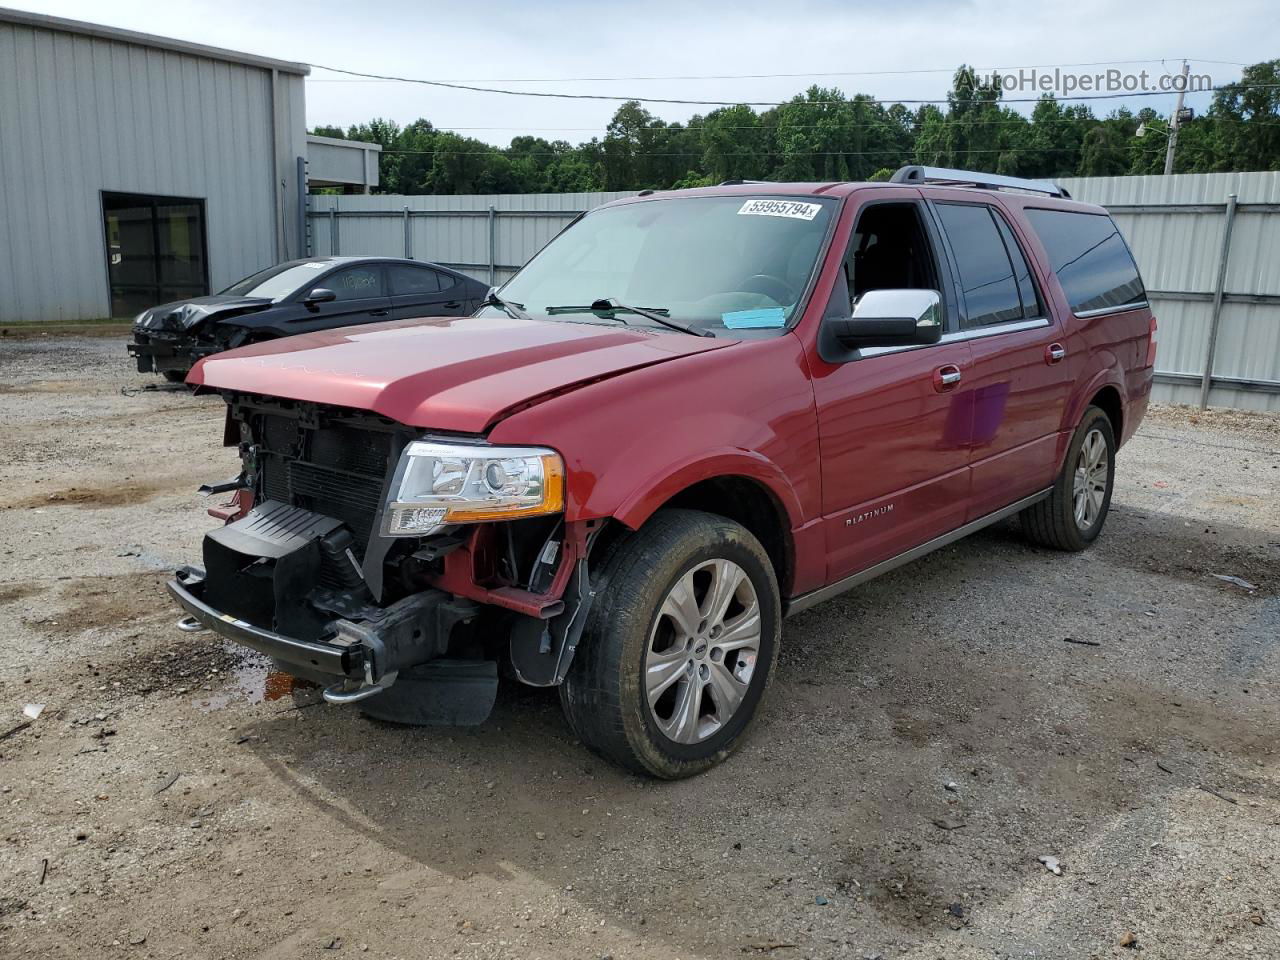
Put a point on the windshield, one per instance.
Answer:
(712, 263)
(275, 283)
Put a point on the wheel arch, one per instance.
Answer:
(1107, 399)
(1102, 390)
(743, 491)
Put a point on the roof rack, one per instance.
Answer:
(913, 173)
(739, 183)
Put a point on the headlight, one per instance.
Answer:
(438, 484)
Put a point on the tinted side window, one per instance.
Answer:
(1021, 271)
(1091, 259)
(987, 277)
(407, 280)
(355, 283)
(447, 280)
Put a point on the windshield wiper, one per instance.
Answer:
(658, 315)
(512, 309)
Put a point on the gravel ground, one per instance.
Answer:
(928, 737)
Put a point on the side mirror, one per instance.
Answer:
(891, 318)
(318, 296)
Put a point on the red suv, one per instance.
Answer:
(689, 416)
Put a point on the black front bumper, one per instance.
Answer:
(272, 584)
(159, 353)
(188, 588)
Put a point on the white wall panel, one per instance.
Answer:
(86, 112)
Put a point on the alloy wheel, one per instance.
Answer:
(1089, 487)
(702, 651)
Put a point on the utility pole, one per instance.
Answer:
(1174, 121)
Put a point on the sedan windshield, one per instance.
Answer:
(278, 282)
(710, 263)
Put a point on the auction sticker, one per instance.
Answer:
(781, 208)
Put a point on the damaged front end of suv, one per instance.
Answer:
(382, 562)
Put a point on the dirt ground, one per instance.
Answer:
(928, 737)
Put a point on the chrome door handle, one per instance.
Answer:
(1054, 353)
(946, 377)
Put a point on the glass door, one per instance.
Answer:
(156, 250)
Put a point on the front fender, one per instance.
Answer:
(649, 494)
(632, 442)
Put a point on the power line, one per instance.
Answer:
(698, 150)
(473, 88)
(702, 127)
(788, 76)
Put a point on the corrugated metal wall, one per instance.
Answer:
(1174, 224)
(291, 143)
(454, 231)
(81, 114)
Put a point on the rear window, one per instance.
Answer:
(407, 280)
(1091, 259)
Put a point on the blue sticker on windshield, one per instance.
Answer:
(765, 319)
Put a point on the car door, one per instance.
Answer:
(893, 422)
(422, 291)
(1018, 380)
(360, 292)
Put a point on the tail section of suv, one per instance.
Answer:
(693, 414)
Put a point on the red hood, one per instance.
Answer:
(448, 373)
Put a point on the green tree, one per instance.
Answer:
(459, 165)
(1245, 117)
(824, 134)
(1105, 152)
(732, 145)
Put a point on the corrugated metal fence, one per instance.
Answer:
(1208, 246)
(487, 237)
(1209, 249)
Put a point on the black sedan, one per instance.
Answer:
(297, 297)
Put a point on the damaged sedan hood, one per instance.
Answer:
(447, 373)
(186, 314)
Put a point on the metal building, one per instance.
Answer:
(350, 165)
(137, 169)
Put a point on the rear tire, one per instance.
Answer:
(1073, 515)
(679, 647)
(176, 376)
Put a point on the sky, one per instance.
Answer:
(575, 46)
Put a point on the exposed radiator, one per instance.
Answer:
(337, 470)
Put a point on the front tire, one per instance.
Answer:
(1072, 516)
(679, 648)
